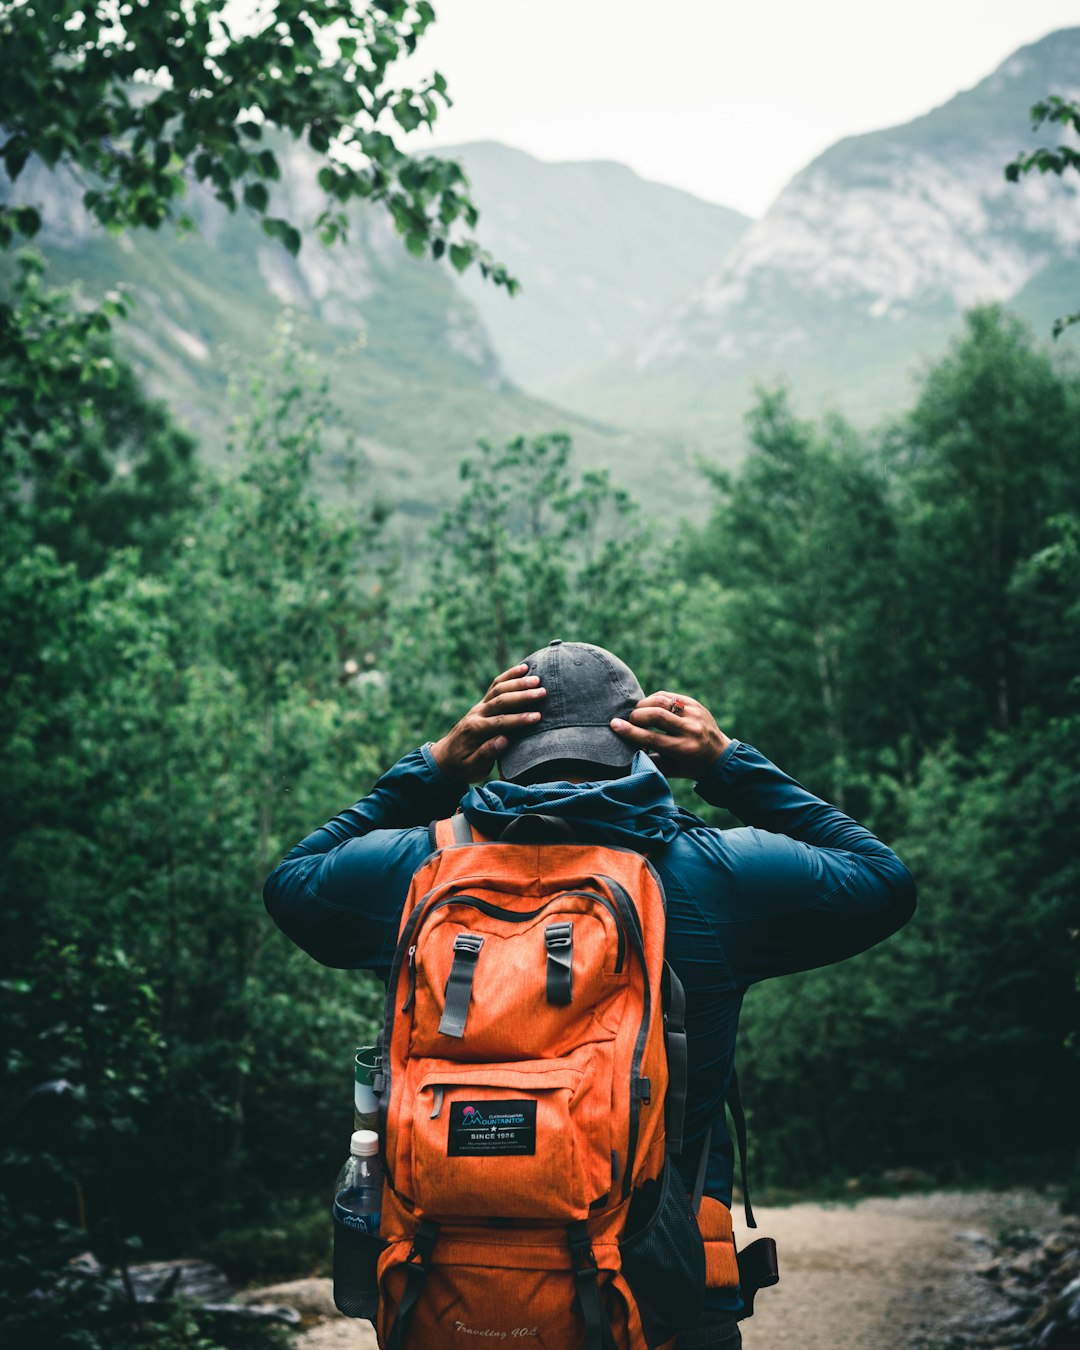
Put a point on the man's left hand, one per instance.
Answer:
(676, 731)
(469, 751)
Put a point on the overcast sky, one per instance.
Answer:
(725, 100)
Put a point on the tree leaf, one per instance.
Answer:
(256, 196)
(461, 255)
(27, 220)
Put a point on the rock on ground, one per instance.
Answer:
(324, 1326)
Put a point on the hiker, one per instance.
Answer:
(801, 885)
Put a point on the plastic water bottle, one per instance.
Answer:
(357, 1206)
(358, 1192)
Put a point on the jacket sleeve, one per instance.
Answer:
(803, 885)
(339, 893)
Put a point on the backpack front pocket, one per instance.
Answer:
(500, 1141)
(483, 1289)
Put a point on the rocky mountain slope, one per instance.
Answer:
(408, 359)
(601, 253)
(867, 258)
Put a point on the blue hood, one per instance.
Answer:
(636, 810)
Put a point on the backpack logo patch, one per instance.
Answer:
(491, 1129)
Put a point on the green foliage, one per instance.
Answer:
(987, 458)
(167, 733)
(530, 550)
(1051, 109)
(138, 98)
(957, 603)
(295, 1239)
(1046, 159)
(89, 463)
(803, 544)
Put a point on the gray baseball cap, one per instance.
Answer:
(586, 687)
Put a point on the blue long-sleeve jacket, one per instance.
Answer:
(802, 885)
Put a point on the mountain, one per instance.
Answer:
(864, 263)
(601, 255)
(409, 359)
(858, 272)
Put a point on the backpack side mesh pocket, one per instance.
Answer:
(663, 1257)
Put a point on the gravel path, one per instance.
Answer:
(882, 1274)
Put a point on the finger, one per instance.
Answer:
(661, 717)
(510, 686)
(665, 698)
(512, 701)
(481, 726)
(491, 749)
(520, 669)
(645, 737)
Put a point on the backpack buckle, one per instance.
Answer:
(459, 984)
(558, 935)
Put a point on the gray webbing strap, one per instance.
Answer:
(703, 1167)
(674, 1003)
(559, 941)
(738, 1115)
(462, 829)
(733, 1100)
(459, 985)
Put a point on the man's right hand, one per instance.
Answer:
(677, 731)
(473, 746)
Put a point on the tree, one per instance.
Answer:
(985, 459)
(530, 550)
(802, 544)
(1054, 108)
(918, 1052)
(138, 97)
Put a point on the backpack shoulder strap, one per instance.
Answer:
(456, 830)
(673, 1000)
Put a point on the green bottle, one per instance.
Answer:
(365, 1103)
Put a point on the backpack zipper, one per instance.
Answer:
(411, 995)
(523, 916)
(633, 923)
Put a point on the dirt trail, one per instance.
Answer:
(883, 1274)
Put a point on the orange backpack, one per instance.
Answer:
(532, 1047)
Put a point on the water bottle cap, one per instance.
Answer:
(364, 1144)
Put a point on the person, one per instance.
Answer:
(800, 885)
